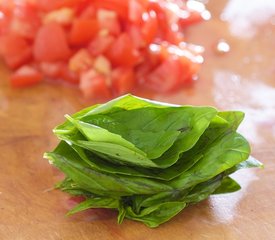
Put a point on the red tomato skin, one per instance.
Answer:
(122, 52)
(83, 30)
(123, 80)
(15, 50)
(25, 76)
(51, 44)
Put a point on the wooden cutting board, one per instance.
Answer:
(241, 79)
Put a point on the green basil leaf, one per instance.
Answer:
(98, 182)
(95, 202)
(223, 154)
(228, 185)
(155, 215)
(149, 160)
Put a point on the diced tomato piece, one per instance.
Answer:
(150, 27)
(25, 20)
(135, 11)
(144, 3)
(108, 20)
(23, 28)
(94, 85)
(100, 44)
(193, 18)
(122, 52)
(174, 37)
(51, 44)
(159, 9)
(190, 69)
(4, 21)
(63, 16)
(143, 70)
(123, 80)
(167, 14)
(88, 12)
(81, 61)
(106, 46)
(83, 30)
(68, 75)
(118, 6)
(66, 3)
(166, 77)
(135, 34)
(47, 5)
(25, 76)
(102, 65)
(52, 69)
(15, 50)
(58, 71)
(197, 12)
(157, 53)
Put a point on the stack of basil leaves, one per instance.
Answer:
(149, 160)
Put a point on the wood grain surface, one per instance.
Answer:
(243, 79)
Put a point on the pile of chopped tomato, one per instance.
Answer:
(106, 47)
